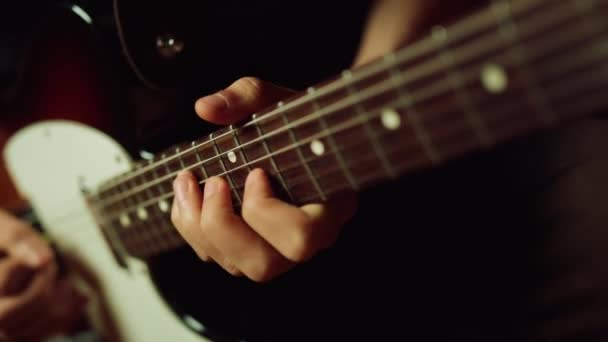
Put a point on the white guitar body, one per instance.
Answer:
(50, 163)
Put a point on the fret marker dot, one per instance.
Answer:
(142, 213)
(317, 147)
(347, 74)
(125, 221)
(391, 119)
(232, 157)
(163, 206)
(494, 78)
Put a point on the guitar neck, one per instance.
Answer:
(501, 73)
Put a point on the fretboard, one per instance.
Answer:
(506, 71)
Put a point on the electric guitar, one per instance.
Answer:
(509, 70)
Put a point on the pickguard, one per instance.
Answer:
(52, 163)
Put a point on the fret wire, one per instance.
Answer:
(346, 126)
(332, 145)
(279, 174)
(441, 36)
(129, 223)
(238, 144)
(298, 149)
(508, 30)
(334, 169)
(374, 175)
(469, 25)
(183, 167)
(168, 170)
(179, 158)
(587, 102)
(338, 128)
(328, 171)
(363, 117)
(155, 230)
(226, 173)
(378, 89)
(200, 160)
(413, 117)
(113, 235)
(164, 229)
(412, 76)
(429, 93)
(147, 237)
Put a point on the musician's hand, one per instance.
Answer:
(33, 302)
(27, 274)
(271, 236)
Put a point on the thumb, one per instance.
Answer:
(240, 100)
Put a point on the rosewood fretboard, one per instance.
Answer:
(504, 72)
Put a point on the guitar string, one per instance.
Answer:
(380, 88)
(566, 89)
(556, 67)
(461, 29)
(77, 200)
(434, 67)
(152, 249)
(197, 165)
(303, 179)
(337, 128)
(562, 97)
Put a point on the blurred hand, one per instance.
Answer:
(33, 302)
(270, 236)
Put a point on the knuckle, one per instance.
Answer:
(253, 86)
(231, 268)
(302, 245)
(201, 253)
(260, 272)
(261, 275)
(251, 209)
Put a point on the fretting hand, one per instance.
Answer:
(270, 236)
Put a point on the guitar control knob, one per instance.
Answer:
(168, 46)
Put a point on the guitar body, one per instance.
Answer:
(66, 104)
(169, 295)
(63, 74)
(54, 190)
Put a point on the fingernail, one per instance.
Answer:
(214, 102)
(210, 187)
(180, 187)
(28, 254)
